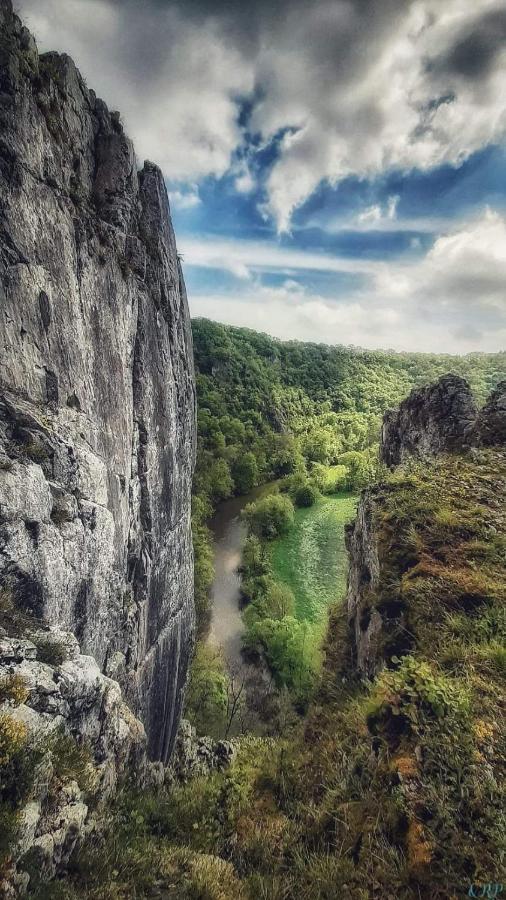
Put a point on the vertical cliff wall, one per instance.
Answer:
(97, 401)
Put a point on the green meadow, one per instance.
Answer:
(311, 558)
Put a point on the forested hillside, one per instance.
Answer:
(270, 409)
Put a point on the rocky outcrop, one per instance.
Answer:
(490, 427)
(97, 404)
(79, 738)
(441, 417)
(432, 419)
(195, 757)
(365, 622)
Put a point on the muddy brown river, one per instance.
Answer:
(229, 533)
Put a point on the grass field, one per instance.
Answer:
(311, 559)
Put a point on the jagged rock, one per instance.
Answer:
(73, 698)
(197, 756)
(365, 623)
(97, 401)
(491, 423)
(432, 419)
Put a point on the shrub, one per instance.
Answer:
(13, 690)
(413, 694)
(271, 516)
(12, 740)
(289, 649)
(245, 473)
(279, 600)
(71, 761)
(306, 495)
(49, 650)
(255, 558)
(206, 694)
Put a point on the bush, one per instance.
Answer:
(280, 600)
(71, 761)
(306, 495)
(255, 558)
(329, 479)
(289, 649)
(13, 690)
(271, 516)
(411, 696)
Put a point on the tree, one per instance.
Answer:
(220, 480)
(245, 473)
(207, 692)
(271, 516)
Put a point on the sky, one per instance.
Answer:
(336, 170)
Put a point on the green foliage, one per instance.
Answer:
(311, 558)
(203, 571)
(329, 479)
(206, 693)
(270, 517)
(415, 693)
(289, 648)
(245, 473)
(393, 787)
(306, 495)
(270, 409)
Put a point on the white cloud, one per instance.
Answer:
(184, 199)
(226, 254)
(394, 104)
(453, 300)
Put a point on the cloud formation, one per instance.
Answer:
(449, 301)
(342, 87)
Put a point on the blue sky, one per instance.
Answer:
(336, 171)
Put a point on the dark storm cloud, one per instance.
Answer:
(476, 50)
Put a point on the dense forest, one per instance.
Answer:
(270, 409)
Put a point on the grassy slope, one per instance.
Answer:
(311, 559)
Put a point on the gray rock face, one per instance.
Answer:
(491, 424)
(365, 623)
(196, 757)
(97, 400)
(431, 420)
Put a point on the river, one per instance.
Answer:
(229, 533)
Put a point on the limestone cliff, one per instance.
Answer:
(432, 419)
(97, 401)
(442, 417)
